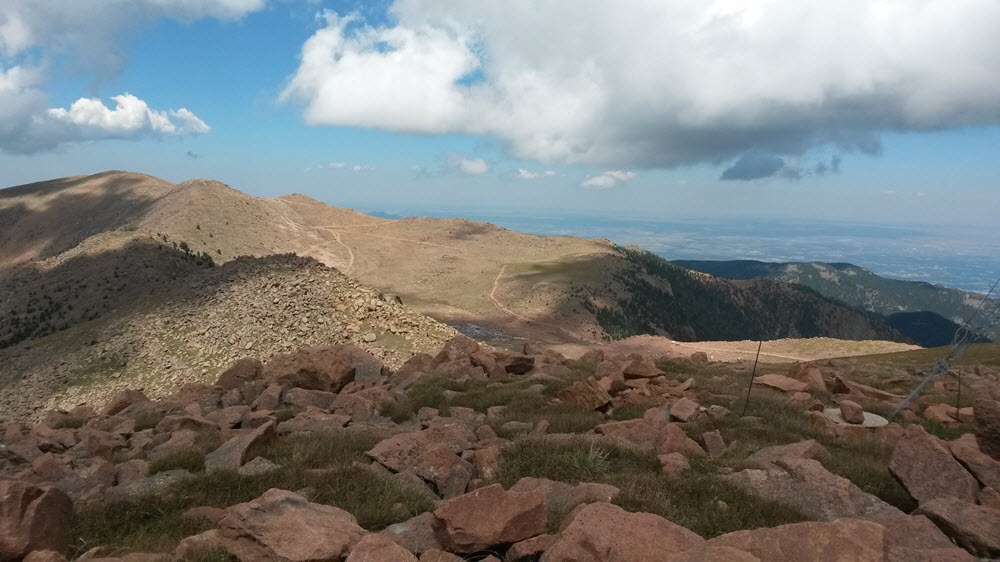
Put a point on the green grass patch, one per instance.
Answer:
(436, 392)
(97, 369)
(148, 420)
(210, 555)
(284, 414)
(398, 410)
(562, 418)
(709, 379)
(628, 412)
(523, 403)
(579, 369)
(867, 466)
(987, 354)
(690, 500)
(779, 423)
(70, 423)
(318, 450)
(152, 523)
(192, 460)
(946, 432)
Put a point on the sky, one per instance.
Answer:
(877, 110)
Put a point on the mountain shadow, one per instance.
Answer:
(929, 329)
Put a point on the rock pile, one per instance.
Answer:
(192, 329)
(86, 458)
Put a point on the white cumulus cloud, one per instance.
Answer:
(20, 96)
(344, 166)
(658, 83)
(470, 166)
(33, 128)
(89, 34)
(474, 167)
(90, 30)
(606, 180)
(130, 117)
(523, 174)
(348, 79)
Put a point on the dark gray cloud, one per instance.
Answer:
(823, 168)
(753, 167)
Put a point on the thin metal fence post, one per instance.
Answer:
(752, 376)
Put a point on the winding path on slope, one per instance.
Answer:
(337, 230)
(344, 265)
(350, 252)
(496, 302)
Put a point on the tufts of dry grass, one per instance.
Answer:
(70, 423)
(628, 412)
(562, 418)
(148, 420)
(210, 555)
(152, 523)
(981, 353)
(192, 460)
(691, 500)
(777, 422)
(527, 397)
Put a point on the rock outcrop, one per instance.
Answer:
(283, 527)
(986, 413)
(972, 526)
(925, 467)
(33, 518)
(489, 516)
(602, 532)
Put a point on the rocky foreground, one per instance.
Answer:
(327, 454)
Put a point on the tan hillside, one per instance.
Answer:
(772, 351)
(43, 219)
(456, 269)
(498, 285)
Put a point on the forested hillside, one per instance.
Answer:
(855, 286)
(692, 306)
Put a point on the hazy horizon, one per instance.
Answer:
(954, 256)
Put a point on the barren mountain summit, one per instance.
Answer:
(43, 219)
(492, 282)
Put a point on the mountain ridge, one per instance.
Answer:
(858, 286)
(459, 271)
(122, 279)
